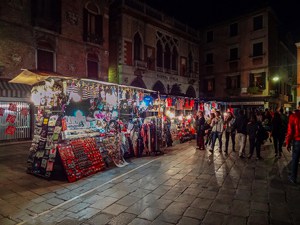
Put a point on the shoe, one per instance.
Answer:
(226, 153)
(211, 150)
(233, 150)
(242, 157)
(276, 155)
(292, 180)
(249, 156)
(259, 158)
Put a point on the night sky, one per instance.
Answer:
(201, 13)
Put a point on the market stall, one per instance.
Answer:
(86, 125)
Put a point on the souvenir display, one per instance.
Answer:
(86, 125)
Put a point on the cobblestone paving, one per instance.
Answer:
(183, 186)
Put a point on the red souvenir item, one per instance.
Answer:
(12, 107)
(10, 118)
(10, 130)
(24, 111)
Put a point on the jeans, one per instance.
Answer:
(227, 136)
(242, 143)
(295, 159)
(216, 135)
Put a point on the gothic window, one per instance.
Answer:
(167, 57)
(159, 54)
(92, 24)
(174, 59)
(137, 52)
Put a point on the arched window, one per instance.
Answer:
(92, 24)
(138, 82)
(159, 54)
(137, 47)
(167, 57)
(92, 66)
(158, 86)
(191, 92)
(174, 59)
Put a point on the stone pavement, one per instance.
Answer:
(183, 186)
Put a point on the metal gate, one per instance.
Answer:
(22, 121)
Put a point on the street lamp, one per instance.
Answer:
(275, 78)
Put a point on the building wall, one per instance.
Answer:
(270, 62)
(19, 39)
(134, 21)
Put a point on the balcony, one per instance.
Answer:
(140, 65)
(253, 90)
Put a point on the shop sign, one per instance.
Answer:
(12, 107)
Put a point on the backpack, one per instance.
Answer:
(262, 133)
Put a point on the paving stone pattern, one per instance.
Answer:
(183, 186)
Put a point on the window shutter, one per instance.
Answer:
(251, 80)
(263, 78)
(85, 24)
(239, 81)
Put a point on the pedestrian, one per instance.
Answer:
(229, 131)
(240, 125)
(208, 128)
(276, 127)
(293, 138)
(217, 131)
(200, 130)
(253, 134)
(284, 121)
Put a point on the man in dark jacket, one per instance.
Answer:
(293, 136)
(240, 125)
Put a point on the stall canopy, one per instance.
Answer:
(31, 77)
(10, 90)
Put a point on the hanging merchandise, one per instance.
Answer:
(2, 111)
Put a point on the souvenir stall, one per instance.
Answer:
(180, 111)
(140, 121)
(88, 125)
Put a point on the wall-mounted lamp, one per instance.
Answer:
(275, 79)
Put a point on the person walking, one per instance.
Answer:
(293, 137)
(208, 127)
(253, 128)
(276, 127)
(217, 131)
(229, 131)
(240, 125)
(200, 121)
